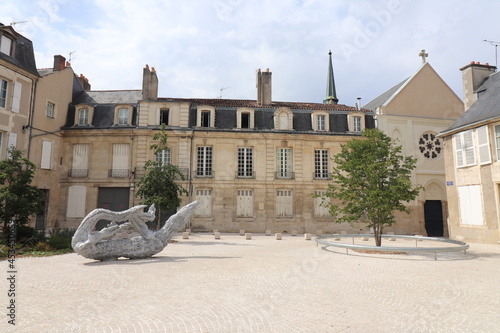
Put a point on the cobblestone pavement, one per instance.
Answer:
(261, 285)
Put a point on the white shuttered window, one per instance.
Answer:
(76, 201)
(204, 198)
(46, 162)
(284, 203)
(471, 205)
(483, 145)
(244, 205)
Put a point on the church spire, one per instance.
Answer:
(331, 94)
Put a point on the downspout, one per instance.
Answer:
(31, 115)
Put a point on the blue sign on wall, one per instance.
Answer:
(449, 183)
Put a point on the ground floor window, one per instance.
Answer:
(204, 198)
(284, 203)
(471, 205)
(244, 203)
(319, 209)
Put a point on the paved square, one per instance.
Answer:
(232, 284)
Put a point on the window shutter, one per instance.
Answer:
(120, 157)
(76, 201)
(470, 154)
(46, 155)
(16, 99)
(471, 205)
(12, 140)
(459, 150)
(484, 145)
(80, 156)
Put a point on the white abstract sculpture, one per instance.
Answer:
(102, 245)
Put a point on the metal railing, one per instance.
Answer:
(78, 173)
(284, 175)
(458, 245)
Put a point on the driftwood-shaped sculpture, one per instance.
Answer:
(103, 245)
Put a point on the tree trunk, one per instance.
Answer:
(378, 234)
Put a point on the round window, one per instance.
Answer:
(429, 145)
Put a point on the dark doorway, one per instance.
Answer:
(41, 216)
(433, 210)
(112, 198)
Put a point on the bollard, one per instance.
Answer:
(248, 236)
(307, 236)
(278, 236)
(217, 235)
(188, 231)
(268, 232)
(242, 232)
(185, 235)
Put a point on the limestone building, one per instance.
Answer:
(252, 164)
(18, 78)
(414, 112)
(472, 156)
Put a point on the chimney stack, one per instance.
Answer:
(473, 75)
(264, 87)
(149, 84)
(59, 63)
(84, 82)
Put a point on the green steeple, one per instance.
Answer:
(331, 94)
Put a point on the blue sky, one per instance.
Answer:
(200, 46)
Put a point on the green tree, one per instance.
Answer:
(159, 186)
(372, 180)
(19, 200)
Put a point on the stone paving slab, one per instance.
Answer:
(232, 284)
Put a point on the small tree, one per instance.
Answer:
(19, 200)
(372, 179)
(158, 186)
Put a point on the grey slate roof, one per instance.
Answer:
(109, 97)
(383, 98)
(24, 56)
(486, 107)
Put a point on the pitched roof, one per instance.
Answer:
(382, 99)
(109, 97)
(485, 108)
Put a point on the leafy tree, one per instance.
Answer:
(372, 179)
(158, 186)
(19, 200)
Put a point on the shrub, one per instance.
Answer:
(24, 232)
(61, 239)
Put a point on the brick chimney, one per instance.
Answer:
(84, 82)
(473, 75)
(59, 63)
(264, 87)
(149, 84)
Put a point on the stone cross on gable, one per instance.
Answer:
(423, 55)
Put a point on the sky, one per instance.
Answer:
(213, 48)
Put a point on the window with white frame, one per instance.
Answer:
(1, 144)
(284, 163)
(465, 154)
(284, 203)
(356, 124)
(320, 121)
(320, 210)
(204, 198)
(3, 93)
(244, 203)
(245, 118)
(16, 97)
(204, 162)
(165, 117)
(6, 45)
(83, 117)
(471, 205)
(497, 141)
(245, 162)
(483, 145)
(50, 112)
(46, 162)
(123, 116)
(321, 160)
(163, 157)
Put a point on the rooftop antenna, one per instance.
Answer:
(495, 44)
(70, 55)
(221, 90)
(17, 22)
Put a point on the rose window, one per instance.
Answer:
(429, 145)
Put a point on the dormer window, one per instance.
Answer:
(356, 122)
(83, 115)
(6, 45)
(123, 115)
(245, 118)
(320, 121)
(205, 116)
(283, 119)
